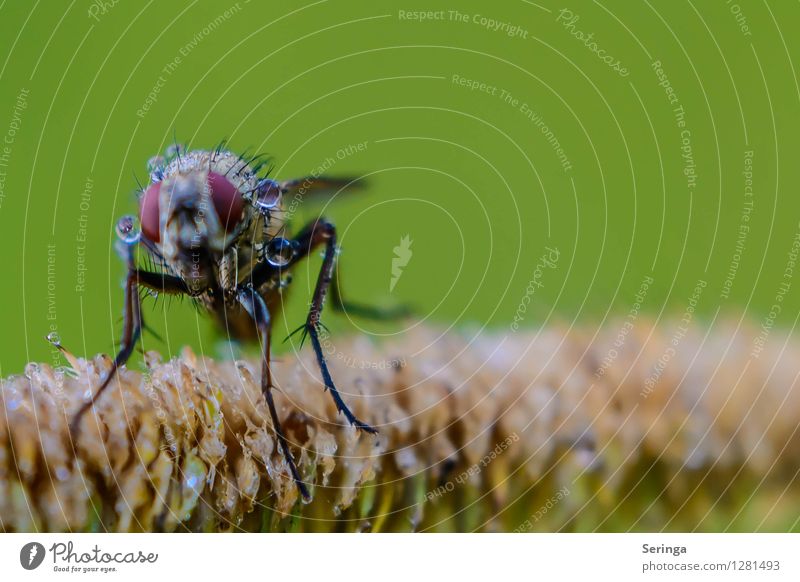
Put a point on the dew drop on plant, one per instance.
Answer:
(53, 338)
(279, 252)
(128, 229)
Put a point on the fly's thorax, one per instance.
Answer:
(251, 246)
(233, 167)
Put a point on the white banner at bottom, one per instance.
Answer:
(389, 557)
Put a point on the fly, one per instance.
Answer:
(217, 229)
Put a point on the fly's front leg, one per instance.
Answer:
(322, 232)
(132, 323)
(254, 304)
(131, 330)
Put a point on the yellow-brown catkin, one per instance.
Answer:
(548, 430)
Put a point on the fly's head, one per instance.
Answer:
(198, 208)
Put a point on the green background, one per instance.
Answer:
(464, 173)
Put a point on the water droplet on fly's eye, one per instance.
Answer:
(53, 338)
(155, 163)
(268, 194)
(128, 229)
(279, 252)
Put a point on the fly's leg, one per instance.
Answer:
(339, 303)
(131, 330)
(160, 282)
(132, 324)
(254, 304)
(322, 232)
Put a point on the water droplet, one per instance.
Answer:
(285, 281)
(53, 338)
(306, 500)
(128, 229)
(31, 370)
(268, 195)
(279, 252)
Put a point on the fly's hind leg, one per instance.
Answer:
(254, 304)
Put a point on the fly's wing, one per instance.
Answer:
(312, 187)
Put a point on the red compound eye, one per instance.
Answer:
(149, 214)
(227, 199)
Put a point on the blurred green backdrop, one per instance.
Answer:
(491, 132)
